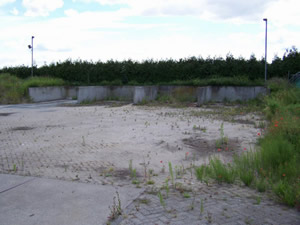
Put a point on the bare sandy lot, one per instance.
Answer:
(97, 143)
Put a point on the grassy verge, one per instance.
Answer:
(213, 81)
(218, 81)
(275, 164)
(14, 90)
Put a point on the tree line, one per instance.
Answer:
(163, 71)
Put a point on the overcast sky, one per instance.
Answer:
(144, 29)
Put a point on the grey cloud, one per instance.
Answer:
(229, 9)
(220, 9)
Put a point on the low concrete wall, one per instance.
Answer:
(91, 93)
(122, 92)
(139, 93)
(230, 93)
(144, 93)
(40, 94)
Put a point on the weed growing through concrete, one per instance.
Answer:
(222, 141)
(261, 185)
(171, 173)
(192, 206)
(116, 209)
(201, 206)
(150, 182)
(15, 168)
(167, 187)
(161, 199)
(130, 167)
(186, 195)
(200, 172)
(258, 200)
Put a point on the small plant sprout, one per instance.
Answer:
(186, 155)
(167, 187)
(222, 141)
(163, 168)
(134, 173)
(15, 168)
(150, 182)
(201, 206)
(171, 173)
(186, 195)
(130, 167)
(161, 199)
(193, 202)
(116, 208)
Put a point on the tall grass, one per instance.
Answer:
(14, 90)
(42, 82)
(11, 90)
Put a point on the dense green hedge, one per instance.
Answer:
(163, 71)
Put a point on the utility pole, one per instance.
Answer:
(266, 20)
(31, 47)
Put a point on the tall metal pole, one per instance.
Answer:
(32, 56)
(266, 20)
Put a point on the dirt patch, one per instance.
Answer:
(203, 147)
(100, 103)
(21, 128)
(247, 122)
(5, 114)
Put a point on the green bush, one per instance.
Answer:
(11, 89)
(200, 172)
(42, 82)
(221, 172)
(261, 185)
(14, 90)
(288, 193)
(246, 165)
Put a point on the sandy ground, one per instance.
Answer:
(97, 143)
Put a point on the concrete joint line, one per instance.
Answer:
(8, 189)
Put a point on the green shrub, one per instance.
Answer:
(245, 165)
(275, 152)
(288, 193)
(200, 172)
(261, 185)
(277, 84)
(42, 82)
(221, 172)
(11, 89)
(14, 90)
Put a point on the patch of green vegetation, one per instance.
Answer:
(11, 89)
(14, 90)
(186, 195)
(218, 81)
(221, 172)
(42, 82)
(275, 163)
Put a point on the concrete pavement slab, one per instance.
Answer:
(8, 182)
(47, 201)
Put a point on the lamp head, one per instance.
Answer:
(265, 19)
(29, 46)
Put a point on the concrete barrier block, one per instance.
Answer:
(41, 94)
(229, 93)
(144, 93)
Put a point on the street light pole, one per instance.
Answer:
(31, 47)
(32, 56)
(266, 20)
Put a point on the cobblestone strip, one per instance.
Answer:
(215, 204)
